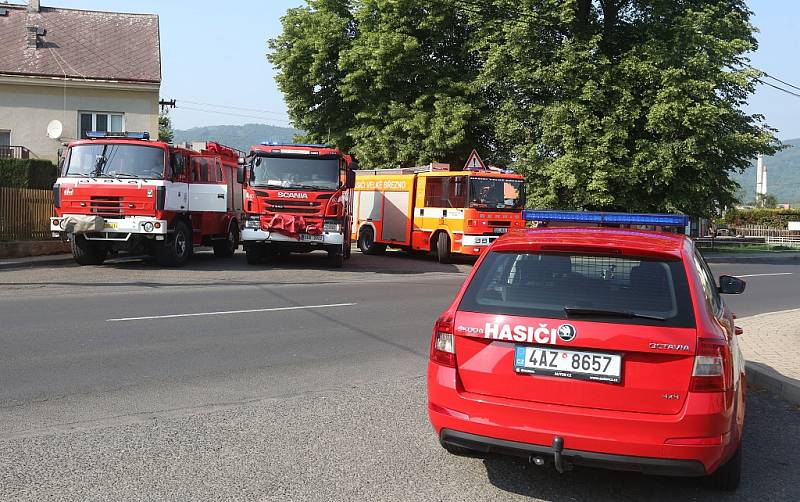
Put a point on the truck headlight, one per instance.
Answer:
(332, 226)
(253, 223)
(148, 226)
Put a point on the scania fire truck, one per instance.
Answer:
(433, 209)
(298, 199)
(123, 192)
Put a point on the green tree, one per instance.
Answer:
(602, 104)
(767, 201)
(165, 132)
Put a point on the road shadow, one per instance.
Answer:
(394, 262)
(771, 457)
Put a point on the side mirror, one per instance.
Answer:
(350, 181)
(729, 285)
(240, 174)
(176, 163)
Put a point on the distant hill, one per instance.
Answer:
(783, 175)
(241, 137)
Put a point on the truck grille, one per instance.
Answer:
(293, 206)
(106, 205)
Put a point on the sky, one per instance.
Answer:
(214, 58)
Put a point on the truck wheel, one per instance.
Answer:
(335, 259)
(227, 248)
(366, 242)
(443, 248)
(728, 475)
(87, 252)
(255, 253)
(177, 248)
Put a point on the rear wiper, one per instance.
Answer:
(588, 311)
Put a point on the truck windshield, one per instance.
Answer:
(496, 193)
(299, 173)
(116, 161)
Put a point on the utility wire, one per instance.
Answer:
(779, 88)
(234, 114)
(231, 107)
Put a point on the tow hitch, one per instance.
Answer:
(561, 464)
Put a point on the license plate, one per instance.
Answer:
(578, 365)
(501, 230)
(112, 226)
(311, 238)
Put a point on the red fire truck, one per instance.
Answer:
(123, 192)
(298, 199)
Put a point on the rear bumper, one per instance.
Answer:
(645, 465)
(606, 438)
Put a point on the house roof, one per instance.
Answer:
(81, 44)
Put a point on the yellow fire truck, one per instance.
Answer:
(434, 209)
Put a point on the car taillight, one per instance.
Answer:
(443, 343)
(712, 367)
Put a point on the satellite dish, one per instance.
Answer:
(54, 129)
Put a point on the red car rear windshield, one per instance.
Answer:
(576, 286)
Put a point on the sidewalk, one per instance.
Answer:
(36, 261)
(758, 257)
(770, 344)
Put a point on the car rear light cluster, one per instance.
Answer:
(712, 367)
(443, 344)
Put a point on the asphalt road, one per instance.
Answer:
(225, 381)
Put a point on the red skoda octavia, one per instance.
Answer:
(595, 346)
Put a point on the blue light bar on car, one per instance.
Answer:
(661, 220)
(110, 134)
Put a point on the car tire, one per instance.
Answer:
(443, 248)
(255, 254)
(177, 248)
(86, 252)
(227, 248)
(728, 475)
(366, 242)
(336, 258)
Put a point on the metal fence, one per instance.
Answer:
(25, 213)
(764, 231)
(14, 152)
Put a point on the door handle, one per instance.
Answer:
(220, 195)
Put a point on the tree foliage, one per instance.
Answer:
(603, 104)
(165, 132)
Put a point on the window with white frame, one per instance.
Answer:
(100, 121)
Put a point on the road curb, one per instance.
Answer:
(39, 261)
(765, 377)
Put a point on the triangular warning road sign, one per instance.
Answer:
(474, 162)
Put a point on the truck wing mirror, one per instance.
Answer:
(350, 181)
(240, 174)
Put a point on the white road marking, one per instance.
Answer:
(231, 312)
(765, 275)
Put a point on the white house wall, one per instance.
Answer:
(27, 108)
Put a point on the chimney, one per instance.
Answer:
(34, 5)
(33, 37)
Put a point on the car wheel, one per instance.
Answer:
(335, 258)
(86, 252)
(366, 242)
(255, 254)
(443, 248)
(728, 475)
(177, 248)
(227, 248)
